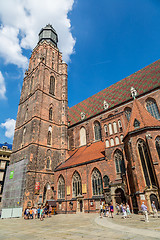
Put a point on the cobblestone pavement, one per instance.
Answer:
(80, 226)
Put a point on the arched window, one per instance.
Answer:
(23, 136)
(117, 140)
(146, 163)
(76, 185)
(49, 137)
(106, 130)
(112, 142)
(158, 145)
(110, 129)
(127, 113)
(48, 165)
(50, 114)
(119, 162)
(120, 125)
(52, 85)
(97, 186)
(121, 137)
(106, 181)
(115, 127)
(152, 108)
(61, 187)
(82, 136)
(107, 143)
(97, 131)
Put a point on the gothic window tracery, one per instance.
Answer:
(106, 130)
(61, 188)
(152, 108)
(110, 129)
(158, 146)
(52, 85)
(146, 163)
(97, 131)
(76, 185)
(119, 162)
(97, 186)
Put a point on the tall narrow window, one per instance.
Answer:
(115, 127)
(158, 146)
(119, 162)
(120, 125)
(106, 181)
(146, 163)
(110, 129)
(97, 131)
(117, 140)
(152, 108)
(49, 136)
(26, 114)
(106, 130)
(112, 142)
(82, 136)
(76, 185)
(52, 85)
(97, 186)
(61, 188)
(48, 165)
(23, 136)
(31, 84)
(121, 137)
(128, 113)
(107, 143)
(50, 114)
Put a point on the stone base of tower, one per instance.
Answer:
(14, 187)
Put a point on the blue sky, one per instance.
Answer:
(110, 40)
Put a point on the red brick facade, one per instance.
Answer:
(104, 162)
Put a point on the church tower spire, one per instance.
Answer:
(40, 137)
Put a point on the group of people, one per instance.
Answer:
(123, 209)
(40, 212)
(106, 210)
(145, 211)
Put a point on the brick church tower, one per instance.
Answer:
(40, 139)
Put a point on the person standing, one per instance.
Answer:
(155, 213)
(41, 213)
(144, 209)
(50, 210)
(111, 209)
(128, 210)
(101, 209)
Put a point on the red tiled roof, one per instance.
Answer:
(142, 116)
(143, 81)
(84, 154)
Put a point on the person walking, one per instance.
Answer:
(124, 211)
(111, 209)
(50, 210)
(128, 210)
(154, 209)
(41, 213)
(38, 212)
(117, 208)
(101, 209)
(107, 210)
(144, 209)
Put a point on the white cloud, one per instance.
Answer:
(9, 125)
(2, 87)
(23, 19)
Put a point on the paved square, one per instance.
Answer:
(80, 226)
